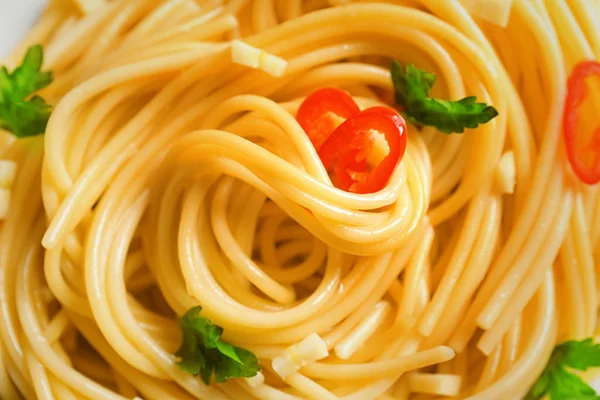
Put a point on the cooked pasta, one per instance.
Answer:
(173, 173)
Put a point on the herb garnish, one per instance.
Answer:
(558, 382)
(412, 86)
(204, 353)
(21, 113)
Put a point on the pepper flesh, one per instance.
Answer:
(583, 157)
(347, 148)
(323, 111)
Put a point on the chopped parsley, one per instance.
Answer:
(411, 88)
(558, 382)
(204, 353)
(21, 112)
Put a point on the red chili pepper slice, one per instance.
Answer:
(323, 111)
(349, 147)
(583, 150)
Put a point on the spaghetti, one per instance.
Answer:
(170, 176)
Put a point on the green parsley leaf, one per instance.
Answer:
(203, 353)
(21, 113)
(412, 86)
(558, 382)
(579, 355)
(243, 364)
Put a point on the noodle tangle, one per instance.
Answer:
(171, 177)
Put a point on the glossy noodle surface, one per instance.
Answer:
(170, 176)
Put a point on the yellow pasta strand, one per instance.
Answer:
(172, 175)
